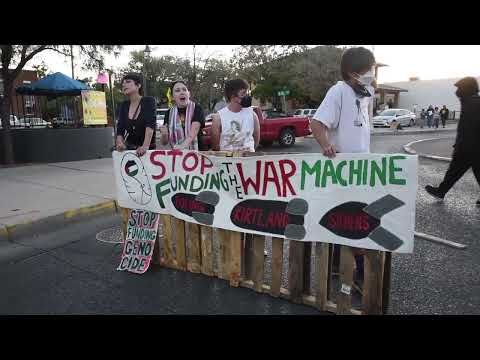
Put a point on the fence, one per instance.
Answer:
(300, 271)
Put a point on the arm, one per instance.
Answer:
(149, 125)
(256, 130)
(320, 132)
(216, 131)
(120, 141)
(191, 137)
(164, 129)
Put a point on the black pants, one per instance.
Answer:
(462, 160)
(444, 120)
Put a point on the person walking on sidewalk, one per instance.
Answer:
(466, 153)
(444, 115)
(136, 118)
(341, 123)
(182, 124)
(436, 117)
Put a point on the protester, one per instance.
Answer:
(136, 118)
(423, 115)
(466, 153)
(444, 115)
(436, 117)
(236, 126)
(430, 116)
(341, 123)
(183, 122)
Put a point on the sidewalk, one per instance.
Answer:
(34, 192)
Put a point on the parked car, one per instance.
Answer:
(284, 129)
(304, 112)
(161, 117)
(13, 121)
(268, 114)
(402, 116)
(34, 122)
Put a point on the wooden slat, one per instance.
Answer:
(180, 241)
(344, 298)
(307, 256)
(330, 268)
(249, 258)
(277, 265)
(194, 260)
(235, 265)
(259, 247)
(156, 256)
(295, 270)
(224, 254)
(125, 215)
(167, 239)
(372, 287)
(206, 236)
(387, 278)
(321, 274)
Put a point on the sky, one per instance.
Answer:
(404, 61)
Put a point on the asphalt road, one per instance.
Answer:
(70, 272)
(442, 146)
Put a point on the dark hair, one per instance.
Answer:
(172, 85)
(356, 59)
(136, 78)
(232, 87)
(467, 86)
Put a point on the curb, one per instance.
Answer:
(28, 228)
(405, 132)
(407, 148)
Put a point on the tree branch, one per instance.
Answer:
(26, 59)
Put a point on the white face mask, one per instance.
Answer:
(366, 79)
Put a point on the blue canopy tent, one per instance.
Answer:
(54, 86)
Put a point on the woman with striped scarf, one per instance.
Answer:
(183, 121)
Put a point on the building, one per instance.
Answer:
(27, 105)
(422, 93)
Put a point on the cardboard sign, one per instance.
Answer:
(359, 200)
(94, 107)
(138, 248)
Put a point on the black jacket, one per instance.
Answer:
(468, 130)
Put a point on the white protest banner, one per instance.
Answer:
(140, 242)
(359, 200)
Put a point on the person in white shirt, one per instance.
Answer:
(342, 122)
(236, 126)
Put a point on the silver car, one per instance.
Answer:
(402, 116)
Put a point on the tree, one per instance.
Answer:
(18, 56)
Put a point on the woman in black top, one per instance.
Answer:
(183, 121)
(136, 118)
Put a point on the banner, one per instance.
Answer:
(138, 247)
(94, 107)
(359, 200)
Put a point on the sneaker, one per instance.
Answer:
(478, 202)
(265, 253)
(435, 192)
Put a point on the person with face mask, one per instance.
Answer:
(466, 153)
(236, 126)
(182, 124)
(342, 122)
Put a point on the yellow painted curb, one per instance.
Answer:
(89, 209)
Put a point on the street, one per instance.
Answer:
(69, 271)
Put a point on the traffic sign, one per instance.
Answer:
(284, 93)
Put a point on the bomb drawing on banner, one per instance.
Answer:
(357, 220)
(135, 179)
(199, 206)
(272, 216)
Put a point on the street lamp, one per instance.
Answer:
(146, 54)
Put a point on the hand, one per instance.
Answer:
(120, 146)
(163, 130)
(141, 150)
(329, 151)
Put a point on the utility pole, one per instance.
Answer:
(194, 68)
(71, 56)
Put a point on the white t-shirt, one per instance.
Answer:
(347, 118)
(237, 129)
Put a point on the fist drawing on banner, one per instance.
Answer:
(135, 179)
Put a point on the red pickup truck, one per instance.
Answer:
(281, 129)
